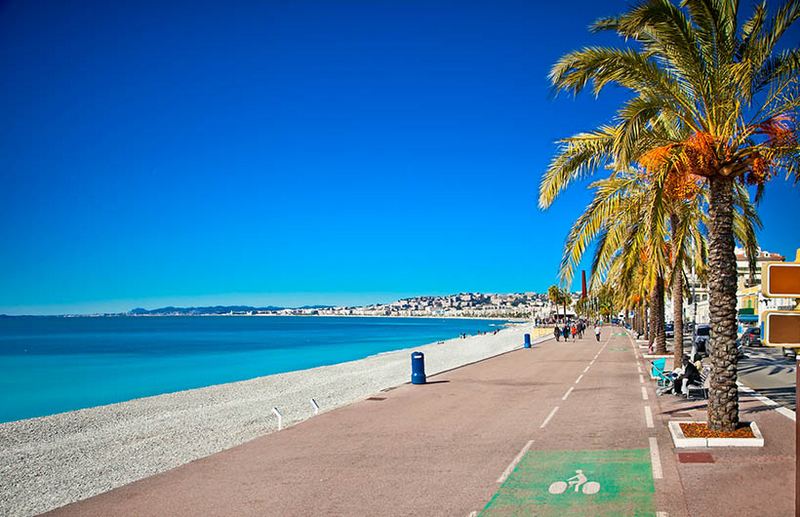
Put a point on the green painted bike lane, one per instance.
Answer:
(577, 483)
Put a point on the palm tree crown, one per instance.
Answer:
(713, 108)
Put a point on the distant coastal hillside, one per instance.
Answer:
(218, 309)
(460, 305)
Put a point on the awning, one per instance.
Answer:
(748, 318)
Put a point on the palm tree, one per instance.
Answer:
(693, 71)
(621, 217)
(559, 296)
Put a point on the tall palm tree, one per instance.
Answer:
(628, 219)
(559, 296)
(622, 218)
(693, 70)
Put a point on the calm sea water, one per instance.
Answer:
(50, 364)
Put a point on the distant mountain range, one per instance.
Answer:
(217, 309)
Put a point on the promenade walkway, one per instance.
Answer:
(561, 429)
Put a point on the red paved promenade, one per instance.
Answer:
(499, 437)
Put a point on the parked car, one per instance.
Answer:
(702, 342)
(750, 337)
(701, 339)
(789, 353)
(669, 328)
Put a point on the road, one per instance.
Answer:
(770, 374)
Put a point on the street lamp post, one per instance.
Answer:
(694, 311)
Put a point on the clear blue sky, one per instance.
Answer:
(288, 152)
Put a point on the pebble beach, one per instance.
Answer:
(51, 461)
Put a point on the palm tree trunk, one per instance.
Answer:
(723, 403)
(651, 321)
(640, 318)
(677, 295)
(659, 332)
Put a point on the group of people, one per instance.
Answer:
(575, 329)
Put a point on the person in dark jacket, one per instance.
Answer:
(690, 375)
(557, 333)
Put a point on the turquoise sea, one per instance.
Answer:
(55, 364)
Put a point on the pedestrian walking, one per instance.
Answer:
(557, 333)
(566, 332)
(574, 332)
(597, 329)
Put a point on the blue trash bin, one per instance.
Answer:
(417, 368)
(527, 341)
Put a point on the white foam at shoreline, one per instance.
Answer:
(51, 461)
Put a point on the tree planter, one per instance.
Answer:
(681, 440)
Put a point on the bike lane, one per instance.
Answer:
(599, 454)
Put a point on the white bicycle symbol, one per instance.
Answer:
(579, 481)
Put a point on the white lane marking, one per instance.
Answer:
(547, 420)
(567, 393)
(579, 379)
(644, 393)
(513, 464)
(662, 514)
(648, 417)
(591, 362)
(655, 459)
(638, 368)
(586, 369)
(788, 413)
(473, 513)
(641, 379)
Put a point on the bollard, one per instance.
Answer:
(417, 368)
(280, 417)
(527, 341)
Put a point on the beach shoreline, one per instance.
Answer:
(53, 460)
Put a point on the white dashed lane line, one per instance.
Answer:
(648, 417)
(514, 462)
(547, 420)
(644, 393)
(655, 459)
(567, 393)
(579, 379)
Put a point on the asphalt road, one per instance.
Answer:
(769, 373)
